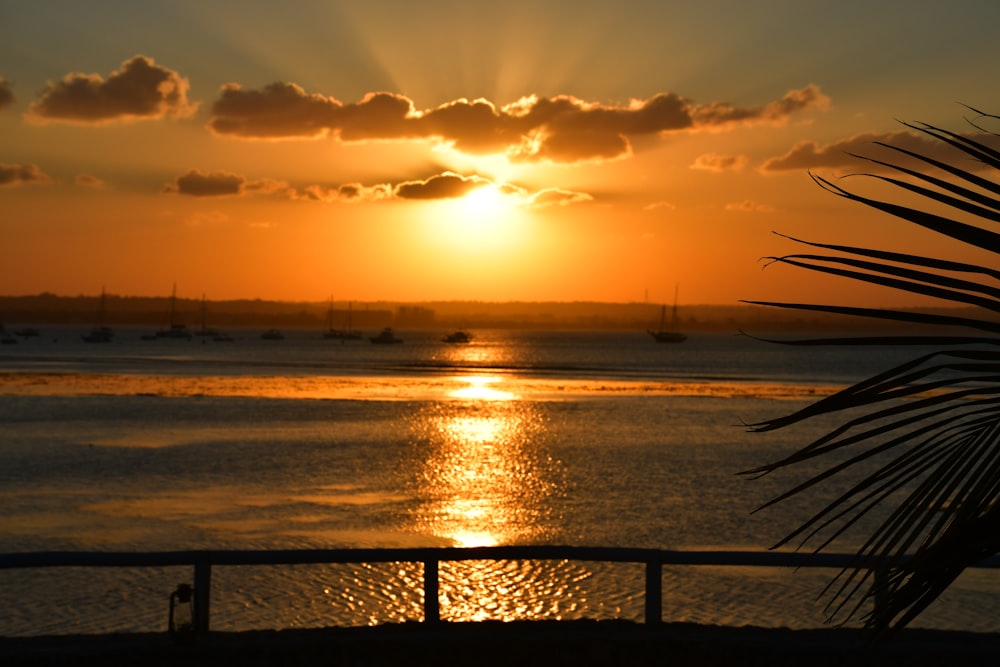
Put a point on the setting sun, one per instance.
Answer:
(485, 205)
(483, 233)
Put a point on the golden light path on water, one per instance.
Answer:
(477, 464)
(485, 484)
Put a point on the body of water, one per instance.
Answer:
(542, 437)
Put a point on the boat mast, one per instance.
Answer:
(100, 309)
(673, 321)
(173, 304)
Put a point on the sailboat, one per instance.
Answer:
(174, 330)
(340, 334)
(671, 335)
(100, 333)
(207, 331)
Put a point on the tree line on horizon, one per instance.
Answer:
(154, 311)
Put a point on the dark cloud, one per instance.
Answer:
(279, 110)
(441, 186)
(810, 155)
(719, 115)
(446, 185)
(557, 129)
(213, 184)
(377, 116)
(18, 174)
(6, 94)
(140, 89)
(475, 127)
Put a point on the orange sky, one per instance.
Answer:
(445, 150)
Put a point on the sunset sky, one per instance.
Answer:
(494, 151)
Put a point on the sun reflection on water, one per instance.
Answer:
(479, 389)
(484, 478)
(484, 475)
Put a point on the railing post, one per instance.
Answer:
(202, 593)
(432, 605)
(654, 592)
(880, 587)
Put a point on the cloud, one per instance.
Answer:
(348, 192)
(6, 94)
(749, 206)
(658, 205)
(717, 164)
(809, 155)
(213, 184)
(561, 129)
(716, 116)
(447, 185)
(18, 174)
(556, 197)
(280, 110)
(141, 89)
(88, 181)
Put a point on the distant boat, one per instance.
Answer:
(671, 335)
(205, 330)
(174, 330)
(6, 338)
(100, 333)
(457, 337)
(340, 334)
(208, 332)
(27, 332)
(272, 334)
(386, 337)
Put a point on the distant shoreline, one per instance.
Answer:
(17, 311)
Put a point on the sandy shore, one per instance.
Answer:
(548, 643)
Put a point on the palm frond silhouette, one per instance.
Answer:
(922, 440)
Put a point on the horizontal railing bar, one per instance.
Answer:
(341, 556)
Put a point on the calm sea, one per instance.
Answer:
(577, 438)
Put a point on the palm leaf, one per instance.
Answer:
(920, 444)
(904, 258)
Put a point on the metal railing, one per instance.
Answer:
(430, 558)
